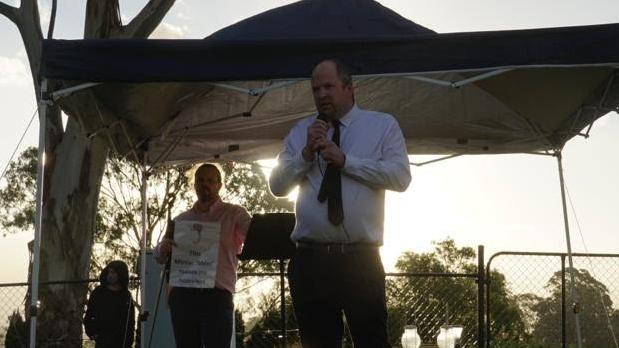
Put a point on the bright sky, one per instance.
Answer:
(507, 202)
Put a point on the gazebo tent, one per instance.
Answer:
(236, 93)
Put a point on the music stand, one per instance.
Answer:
(268, 238)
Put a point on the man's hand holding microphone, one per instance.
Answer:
(317, 142)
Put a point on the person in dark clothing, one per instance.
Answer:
(110, 312)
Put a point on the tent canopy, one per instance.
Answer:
(236, 93)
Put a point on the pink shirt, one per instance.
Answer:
(234, 221)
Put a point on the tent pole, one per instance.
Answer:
(419, 164)
(61, 93)
(573, 293)
(38, 224)
(144, 314)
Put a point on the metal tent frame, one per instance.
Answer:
(56, 95)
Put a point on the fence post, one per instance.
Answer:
(481, 283)
(563, 315)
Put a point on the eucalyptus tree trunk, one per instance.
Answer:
(74, 168)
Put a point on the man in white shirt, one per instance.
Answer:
(343, 160)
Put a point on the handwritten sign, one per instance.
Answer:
(194, 259)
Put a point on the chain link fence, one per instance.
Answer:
(539, 286)
(430, 301)
(528, 304)
(426, 300)
(12, 306)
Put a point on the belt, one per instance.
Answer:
(337, 248)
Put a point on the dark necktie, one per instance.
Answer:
(331, 186)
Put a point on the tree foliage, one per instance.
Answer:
(118, 232)
(246, 185)
(119, 211)
(596, 312)
(16, 332)
(74, 163)
(17, 196)
(265, 330)
(431, 301)
(428, 299)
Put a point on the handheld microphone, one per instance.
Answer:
(322, 117)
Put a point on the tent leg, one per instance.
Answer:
(282, 297)
(144, 314)
(573, 293)
(38, 224)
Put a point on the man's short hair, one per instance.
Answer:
(343, 70)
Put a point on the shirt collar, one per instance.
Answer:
(213, 208)
(347, 119)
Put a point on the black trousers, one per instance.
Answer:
(325, 284)
(201, 317)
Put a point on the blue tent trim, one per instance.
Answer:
(288, 41)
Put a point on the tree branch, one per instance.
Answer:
(52, 20)
(102, 19)
(142, 25)
(29, 25)
(10, 12)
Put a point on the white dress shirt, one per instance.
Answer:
(376, 160)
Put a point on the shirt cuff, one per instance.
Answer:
(299, 162)
(350, 164)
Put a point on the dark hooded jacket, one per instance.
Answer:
(110, 314)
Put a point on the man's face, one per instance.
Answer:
(331, 96)
(207, 184)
